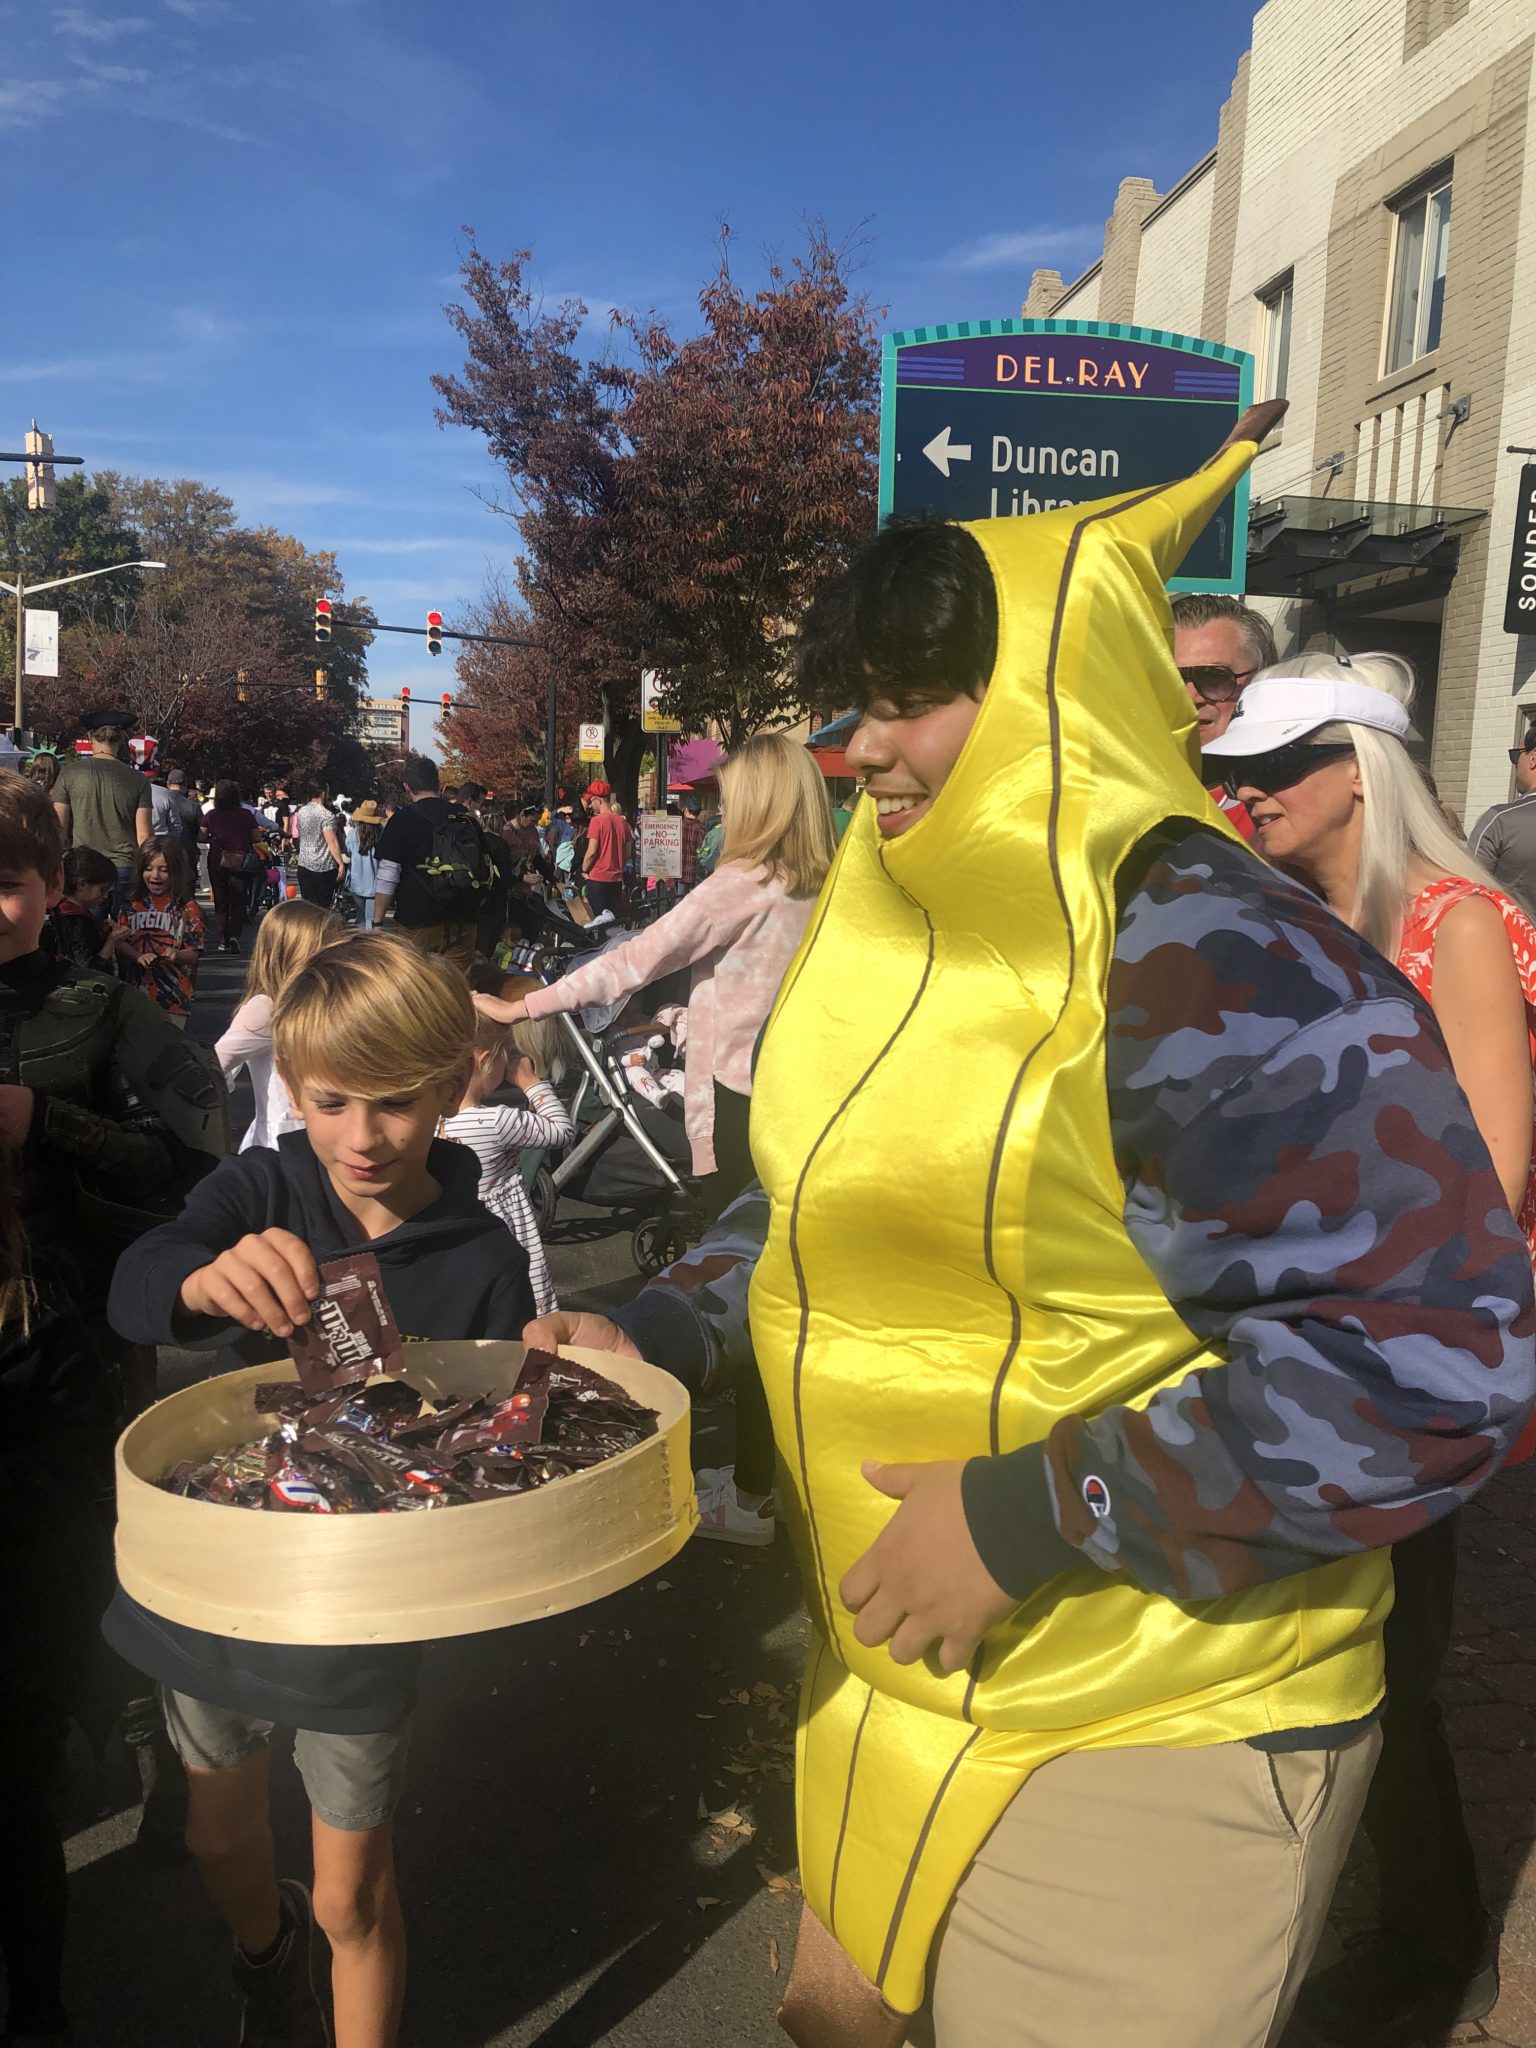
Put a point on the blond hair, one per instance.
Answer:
(1404, 821)
(288, 938)
(776, 813)
(374, 1017)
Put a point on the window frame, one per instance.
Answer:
(1279, 292)
(1421, 194)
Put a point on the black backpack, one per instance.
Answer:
(458, 865)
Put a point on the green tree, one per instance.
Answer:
(83, 530)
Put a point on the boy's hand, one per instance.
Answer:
(266, 1282)
(586, 1332)
(522, 1073)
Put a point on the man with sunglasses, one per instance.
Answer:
(1219, 645)
(1504, 838)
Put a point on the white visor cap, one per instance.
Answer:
(1273, 712)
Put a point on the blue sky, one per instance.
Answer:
(239, 219)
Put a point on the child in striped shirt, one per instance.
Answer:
(498, 1136)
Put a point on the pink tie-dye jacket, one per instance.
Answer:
(738, 931)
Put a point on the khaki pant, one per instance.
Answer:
(455, 942)
(1148, 1898)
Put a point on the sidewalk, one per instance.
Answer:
(1490, 1695)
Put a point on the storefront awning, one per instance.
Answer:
(833, 763)
(1308, 547)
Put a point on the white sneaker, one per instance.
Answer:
(722, 1515)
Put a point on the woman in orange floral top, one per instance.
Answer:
(1318, 756)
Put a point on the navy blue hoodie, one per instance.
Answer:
(453, 1271)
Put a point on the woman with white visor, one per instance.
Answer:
(1316, 752)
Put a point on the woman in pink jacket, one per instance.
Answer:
(738, 931)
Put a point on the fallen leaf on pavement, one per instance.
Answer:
(705, 1903)
(773, 1957)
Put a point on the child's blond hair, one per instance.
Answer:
(374, 1017)
(288, 938)
(538, 1039)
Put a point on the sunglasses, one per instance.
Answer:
(1282, 768)
(1519, 753)
(1216, 685)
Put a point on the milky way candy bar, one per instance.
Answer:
(351, 1334)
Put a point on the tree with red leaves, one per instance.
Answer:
(680, 510)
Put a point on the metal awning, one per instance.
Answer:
(1308, 547)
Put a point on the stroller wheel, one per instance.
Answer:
(656, 1243)
(545, 1197)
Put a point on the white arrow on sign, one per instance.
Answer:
(941, 451)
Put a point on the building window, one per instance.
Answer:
(1275, 341)
(1421, 246)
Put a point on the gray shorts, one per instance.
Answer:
(353, 1781)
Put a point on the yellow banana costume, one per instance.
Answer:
(960, 1300)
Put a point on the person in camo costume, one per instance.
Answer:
(1086, 1676)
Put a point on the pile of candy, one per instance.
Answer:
(348, 1440)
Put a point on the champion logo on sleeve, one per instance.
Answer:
(1096, 1497)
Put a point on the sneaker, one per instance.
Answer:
(280, 2004)
(1386, 1994)
(722, 1515)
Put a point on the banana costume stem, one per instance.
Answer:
(965, 1312)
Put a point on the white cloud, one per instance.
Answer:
(97, 28)
(425, 545)
(114, 74)
(130, 369)
(1012, 249)
(26, 101)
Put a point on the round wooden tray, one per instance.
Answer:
(400, 1578)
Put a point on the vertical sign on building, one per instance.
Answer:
(1001, 418)
(1520, 595)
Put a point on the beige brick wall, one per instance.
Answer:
(1174, 246)
(1080, 301)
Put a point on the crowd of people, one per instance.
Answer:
(1106, 1419)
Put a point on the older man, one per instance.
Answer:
(1219, 644)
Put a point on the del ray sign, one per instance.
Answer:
(1000, 418)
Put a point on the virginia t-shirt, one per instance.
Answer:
(104, 796)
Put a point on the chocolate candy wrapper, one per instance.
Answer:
(376, 1445)
(352, 1335)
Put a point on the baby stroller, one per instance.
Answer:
(628, 1154)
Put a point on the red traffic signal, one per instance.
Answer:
(434, 632)
(322, 621)
(405, 693)
(447, 703)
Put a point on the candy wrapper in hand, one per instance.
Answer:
(352, 1334)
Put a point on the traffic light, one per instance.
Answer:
(322, 622)
(434, 632)
(447, 703)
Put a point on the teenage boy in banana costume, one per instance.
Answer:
(1129, 1274)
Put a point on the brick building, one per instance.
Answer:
(1366, 224)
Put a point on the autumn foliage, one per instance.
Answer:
(677, 508)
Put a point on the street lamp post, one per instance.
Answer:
(21, 592)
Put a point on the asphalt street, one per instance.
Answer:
(597, 1839)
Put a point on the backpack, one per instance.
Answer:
(458, 863)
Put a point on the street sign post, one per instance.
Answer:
(1001, 418)
(652, 683)
(661, 846)
(591, 743)
(42, 643)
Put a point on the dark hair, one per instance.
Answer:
(30, 833)
(1206, 607)
(84, 865)
(419, 775)
(367, 836)
(912, 620)
(175, 860)
(226, 796)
